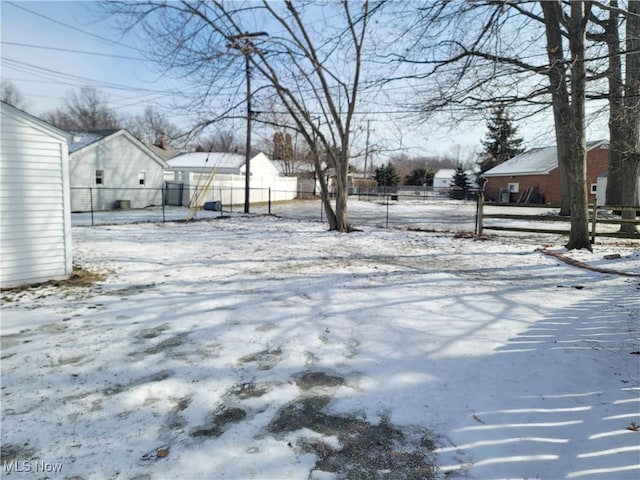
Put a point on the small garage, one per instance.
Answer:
(112, 169)
(35, 214)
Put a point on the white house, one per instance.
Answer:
(442, 179)
(601, 189)
(113, 169)
(35, 214)
(222, 175)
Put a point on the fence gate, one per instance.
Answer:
(173, 193)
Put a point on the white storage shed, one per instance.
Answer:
(35, 214)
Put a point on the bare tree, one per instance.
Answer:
(577, 159)
(10, 94)
(152, 126)
(624, 107)
(469, 66)
(314, 72)
(87, 109)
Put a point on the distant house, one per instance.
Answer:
(534, 176)
(222, 175)
(113, 169)
(601, 189)
(35, 214)
(442, 179)
(229, 163)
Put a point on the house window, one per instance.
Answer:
(142, 178)
(513, 187)
(99, 177)
(594, 188)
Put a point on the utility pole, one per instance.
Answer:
(366, 150)
(246, 47)
(247, 155)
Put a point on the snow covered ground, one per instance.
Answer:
(266, 348)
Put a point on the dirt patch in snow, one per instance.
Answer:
(366, 450)
(219, 421)
(265, 359)
(10, 453)
(79, 277)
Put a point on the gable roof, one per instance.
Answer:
(84, 140)
(79, 140)
(537, 161)
(39, 124)
(164, 153)
(445, 173)
(207, 160)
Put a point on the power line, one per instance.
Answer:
(83, 52)
(13, 4)
(57, 75)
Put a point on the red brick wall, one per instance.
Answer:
(548, 186)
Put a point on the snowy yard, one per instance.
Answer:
(267, 348)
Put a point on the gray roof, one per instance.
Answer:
(165, 153)
(207, 160)
(536, 161)
(78, 140)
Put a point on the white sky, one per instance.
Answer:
(45, 75)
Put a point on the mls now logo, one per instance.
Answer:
(32, 467)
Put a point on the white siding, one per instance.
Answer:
(35, 235)
(121, 160)
(229, 189)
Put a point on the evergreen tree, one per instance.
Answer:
(386, 176)
(419, 176)
(501, 142)
(460, 184)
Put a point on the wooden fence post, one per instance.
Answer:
(479, 213)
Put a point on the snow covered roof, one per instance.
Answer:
(207, 160)
(445, 173)
(537, 161)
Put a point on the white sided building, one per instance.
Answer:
(222, 175)
(35, 213)
(113, 169)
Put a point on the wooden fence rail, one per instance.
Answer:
(482, 213)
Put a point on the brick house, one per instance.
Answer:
(534, 176)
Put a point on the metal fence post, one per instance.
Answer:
(594, 221)
(91, 203)
(387, 222)
(269, 200)
(163, 193)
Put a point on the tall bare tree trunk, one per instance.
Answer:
(552, 12)
(579, 234)
(631, 154)
(616, 108)
(342, 190)
(624, 112)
